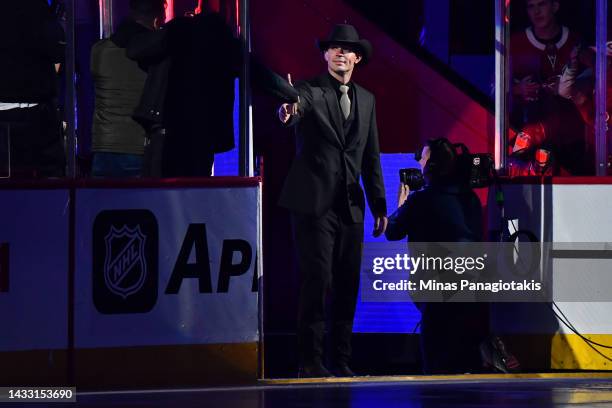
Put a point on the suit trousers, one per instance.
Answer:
(153, 153)
(185, 154)
(329, 251)
(451, 334)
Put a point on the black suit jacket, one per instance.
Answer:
(192, 64)
(328, 162)
(199, 104)
(31, 42)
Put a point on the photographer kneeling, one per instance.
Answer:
(445, 210)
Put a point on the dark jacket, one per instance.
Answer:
(31, 42)
(450, 332)
(438, 214)
(150, 50)
(119, 82)
(193, 63)
(329, 162)
(199, 104)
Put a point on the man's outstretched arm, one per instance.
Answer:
(290, 113)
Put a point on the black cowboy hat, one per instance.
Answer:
(345, 34)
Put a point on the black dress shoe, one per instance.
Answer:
(314, 370)
(343, 370)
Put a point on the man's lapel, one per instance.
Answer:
(331, 99)
(362, 108)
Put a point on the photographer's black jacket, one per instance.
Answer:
(438, 214)
(31, 42)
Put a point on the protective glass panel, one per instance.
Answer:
(551, 83)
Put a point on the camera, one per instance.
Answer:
(481, 168)
(476, 170)
(413, 178)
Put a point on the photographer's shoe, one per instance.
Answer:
(495, 356)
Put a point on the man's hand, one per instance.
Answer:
(380, 225)
(288, 109)
(402, 194)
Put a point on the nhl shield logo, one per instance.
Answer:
(125, 261)
(125, 266)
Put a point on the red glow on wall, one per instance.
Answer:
(507, 12)
(169, 10)
(238, 17)
(212, 5)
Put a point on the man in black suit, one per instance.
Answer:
(337, 142)
(199, 105)
(187, 104)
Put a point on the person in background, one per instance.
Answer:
(454, 337)
(187, 104)
(32, 43)
(579, 87)
(538, 56)
(117, 139)
(199, 107)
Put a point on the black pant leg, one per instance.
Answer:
(314, 238)
(185, 155)
(153, 153)
(345, 283)
(451, 334)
